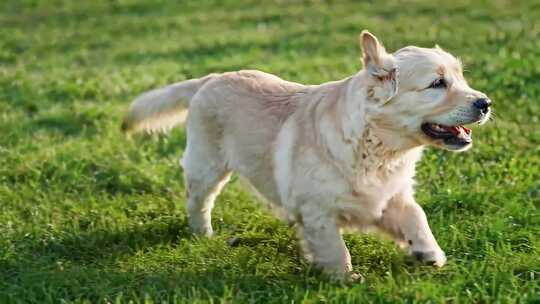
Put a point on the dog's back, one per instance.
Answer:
(240, 114)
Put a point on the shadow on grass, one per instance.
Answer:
(99, 285)
(84, 265)
(165, 145)
(159, 257)
(67, 124)
(93, 246)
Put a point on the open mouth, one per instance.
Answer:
(457, 136)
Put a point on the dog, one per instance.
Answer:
(332, 156)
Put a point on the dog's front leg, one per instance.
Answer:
(323, 244)
(406, 221)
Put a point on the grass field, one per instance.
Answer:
(87, 215)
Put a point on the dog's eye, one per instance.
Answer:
(438, 84)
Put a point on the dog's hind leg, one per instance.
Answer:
(202, 192)
(203, 182)
(205, 175)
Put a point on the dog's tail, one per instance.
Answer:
(162, 109)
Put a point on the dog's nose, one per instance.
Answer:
(482, 104)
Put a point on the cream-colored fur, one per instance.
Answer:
(332, 156)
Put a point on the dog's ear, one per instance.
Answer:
(372, 50)
(379, 65)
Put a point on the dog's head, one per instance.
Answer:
(419, 96)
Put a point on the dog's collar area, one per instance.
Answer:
(451, 135)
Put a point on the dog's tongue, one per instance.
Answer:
(455, 130)
(459, 130)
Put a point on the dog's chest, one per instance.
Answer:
(370, 194)
(379, 174)
(378, 179)
(376, 167)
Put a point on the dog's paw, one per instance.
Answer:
(354, 277)
(202, 231)
(435, 258)
(345, 278)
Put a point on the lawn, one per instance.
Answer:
(88, 215)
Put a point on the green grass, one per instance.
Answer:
(87, 215)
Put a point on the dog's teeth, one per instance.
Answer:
(438, 127)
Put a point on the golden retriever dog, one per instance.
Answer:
(332, 156)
